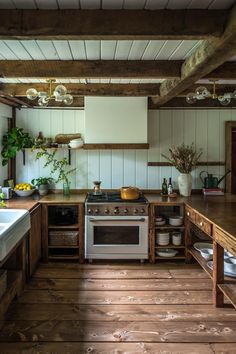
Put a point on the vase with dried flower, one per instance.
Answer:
(184, 158)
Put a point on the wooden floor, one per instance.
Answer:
(115, 309)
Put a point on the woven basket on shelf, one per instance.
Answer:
(63, 238)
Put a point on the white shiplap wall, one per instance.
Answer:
(129, 167)
(5, 112)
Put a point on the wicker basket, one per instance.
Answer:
(3, 282)
(63, 238)
(66, 138)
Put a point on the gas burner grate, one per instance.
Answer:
(112, 197)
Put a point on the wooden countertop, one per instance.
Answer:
(219, 210)
(28, 203)
(61, 199)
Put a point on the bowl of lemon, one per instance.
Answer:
(24, 189)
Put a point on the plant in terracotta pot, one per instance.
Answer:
(43, 184)
(57, 166)
(184, 158)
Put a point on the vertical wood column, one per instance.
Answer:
(218, 274)
(152, 234)
(44, 232)
(81, 232)
(12, 162)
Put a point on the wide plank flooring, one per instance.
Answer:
(118, 309)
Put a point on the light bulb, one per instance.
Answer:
(43, 101)
(191, 98)
(31, 94)
(202, 91)
(42, 94)
(224, 100)
(58, 98)
(234, 95)
(60, 90)
(68, 99)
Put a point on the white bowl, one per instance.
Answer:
(25, 193)
(176, 220)
(203, 245)
(207, 253)
(160, 223)
(230, 265)
(166, 252)
(76, 144)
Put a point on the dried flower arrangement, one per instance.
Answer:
(184, 157)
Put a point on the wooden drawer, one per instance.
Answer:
(225, 240)
(203, 224)
(190, 214)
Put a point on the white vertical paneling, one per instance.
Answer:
(117, 169)
(93, 167)
(201, 143)
(129, 167)
(105, 168)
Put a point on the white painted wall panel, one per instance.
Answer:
(129, 167)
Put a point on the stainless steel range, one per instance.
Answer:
(114, 228)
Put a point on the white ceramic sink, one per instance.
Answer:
(14, 224)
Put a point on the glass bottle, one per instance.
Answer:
(66, 188)
(170, 187)
(164, 188)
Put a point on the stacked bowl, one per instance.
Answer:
(76, 143)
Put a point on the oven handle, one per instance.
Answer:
(131, 220)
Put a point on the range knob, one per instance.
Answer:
(106, 211)
(125, 211)
(96, 211)
(116, 210)
(142, 211)
(135, 211)
(89, 211)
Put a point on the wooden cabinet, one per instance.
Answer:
(70, 232)
(190, 214)
(34, 248)
(203, 224)
(165, 210)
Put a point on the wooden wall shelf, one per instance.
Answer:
(115, 146)
(201, 163)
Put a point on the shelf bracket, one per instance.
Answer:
(69, 156)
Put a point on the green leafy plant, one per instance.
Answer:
(2, 202)
(184, 157)
(42, 181)
(13, 141)
(57, 166)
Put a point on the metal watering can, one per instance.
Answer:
(209, 181)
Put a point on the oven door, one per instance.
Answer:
(116, 237)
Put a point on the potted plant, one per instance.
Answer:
(12, 142)
(57, 166)
(43, 184)
(184, 158)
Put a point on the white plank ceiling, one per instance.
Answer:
(116, 4)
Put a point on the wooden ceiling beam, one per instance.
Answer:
(104, 24)
(19, 90)
(208, 56)
(84, 69)
(90, 68)
(77, 102)
(220, 89)
(9, 102)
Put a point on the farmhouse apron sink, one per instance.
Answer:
(14, 223)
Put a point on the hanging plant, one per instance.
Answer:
(12, 142)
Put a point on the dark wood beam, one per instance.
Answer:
(157, 69)
(9, 102)
(111, 24)
(208, 56)
(90, 68)
(19, 89)
(13, 99)
(180, 102)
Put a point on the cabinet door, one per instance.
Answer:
(35, 239)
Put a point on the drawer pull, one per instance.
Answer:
(201, 223)
(188, 213)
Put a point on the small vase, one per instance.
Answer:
(185, 184)
(66, 188)
(43, 189)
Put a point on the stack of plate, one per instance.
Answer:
(163, 238)
(160, 221)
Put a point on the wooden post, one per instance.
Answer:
(218, 274)
(12, 163)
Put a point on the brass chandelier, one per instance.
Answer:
(202, 93)
(59, 94)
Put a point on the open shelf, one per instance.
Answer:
(170, 246)
(63, 257)
(164, 227)
(202, 262)
(64, 227)
(229, 290)
(63, 246)
(173, 258)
